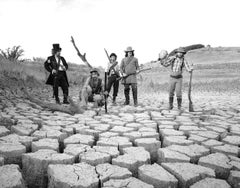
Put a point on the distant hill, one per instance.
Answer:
(214, 55)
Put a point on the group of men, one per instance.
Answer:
(93, 89)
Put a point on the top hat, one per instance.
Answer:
(129, 49)
(181, 50)
(56, 47)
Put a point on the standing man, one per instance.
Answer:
(129, 68)
(113, 75)
(57, 67)
(177, 63)
(93, 90)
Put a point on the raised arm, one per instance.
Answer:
(168, 61)
(188, 67)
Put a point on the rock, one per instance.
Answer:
(16, 139)
(232, 140)
(12, 152)
(235, 165)
(40, 134)
(197, 139)
(194, 151)
(169, 132)
(108, 135)
(218, 162)
(209, 134)
(77, 175)
(187, 173)
(35, 165)
(234, 179)
(211, 143)
(157, 176)
(4, 131)
(176, 140)
(135, 126)
(226, 149)
(126, 183)
(55, 134)
(24, 129)
(211, 183)
(139, 153)
(117, 141)
(94, 158)
(11, 177)
(79, 139)
(107, 171)
(168, 156)
(45, 143)
(112, 151)
(76, 149)
(151, 145)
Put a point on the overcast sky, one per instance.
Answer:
(147, 25)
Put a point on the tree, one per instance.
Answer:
(12, 54)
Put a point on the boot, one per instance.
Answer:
(179, 101)
(114, 100)
(57, 100)
(170, 103)
(127, 99)
(134, 90)
(65, 99)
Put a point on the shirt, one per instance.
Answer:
(114, 70)
(61, 63)
(176, 65)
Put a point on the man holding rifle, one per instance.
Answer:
(113, 75)
(129, 68)
(177, 63)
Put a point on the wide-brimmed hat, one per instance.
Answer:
(56, 47)
(94, 70)
(129, 49)
(181, 50)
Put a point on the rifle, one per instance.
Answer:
(141, 70)
(189, 94)
(105, 82)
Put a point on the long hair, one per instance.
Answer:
(127, 53)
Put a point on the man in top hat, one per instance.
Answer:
(93, 90)
(177, 63)
(129, 66)
(113, 75)
(57, 66)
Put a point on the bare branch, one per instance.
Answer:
(83, 57)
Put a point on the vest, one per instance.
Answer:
(96, 85)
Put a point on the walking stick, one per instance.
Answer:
(105, 89)
(189, 93)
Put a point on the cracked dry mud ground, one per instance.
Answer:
(132, 147)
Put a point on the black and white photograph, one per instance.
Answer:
(119, 94)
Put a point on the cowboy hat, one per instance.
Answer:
(94, 70)
(181, 50)
(129, 49)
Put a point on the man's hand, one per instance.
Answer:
(64, 68)
(105, 93)
(124, 74)
(54, 71)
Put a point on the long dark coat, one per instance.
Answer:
(51, 64)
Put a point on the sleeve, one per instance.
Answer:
(122, 66)
(168, 61)
(65, 63)
(137, 64)
(47, 65)
(188, 66)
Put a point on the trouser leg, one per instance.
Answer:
(64, 87)
(126, 93)
(171, 92)
(179, 92)
(55, 88)
(86, 92)
(115, 90)
(134, 91)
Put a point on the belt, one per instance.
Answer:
(176, 77)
